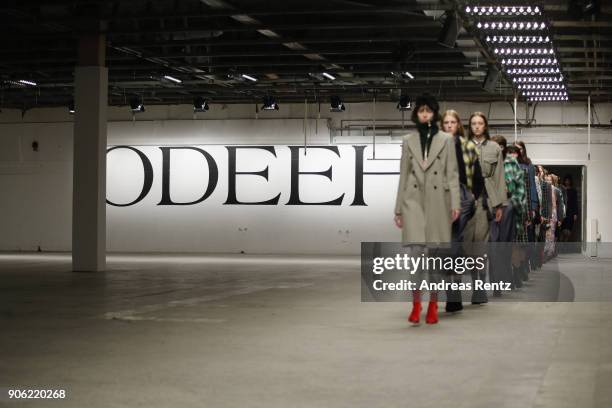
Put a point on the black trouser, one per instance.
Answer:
(502, 236)
(458, 227)
(532, 250)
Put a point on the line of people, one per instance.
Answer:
(474, 190)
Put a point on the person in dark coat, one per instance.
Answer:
(571, 209)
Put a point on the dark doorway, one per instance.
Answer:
(577, 176)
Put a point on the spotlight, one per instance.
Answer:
(450, 30)
(26, 82)
(336, 104)
(404, 103)
(200, 104)
(269, 103)
(409, 75)
(71, 109)
(136, 105)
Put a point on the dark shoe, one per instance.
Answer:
(524, 272)
(452, 307)
(479, 297)
(517, 283)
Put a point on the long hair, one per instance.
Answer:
(454, 114)
(486, 122)
(555, 179)
(523, 158)
(501, 141)
(541, 171)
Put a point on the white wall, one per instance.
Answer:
(36, 186)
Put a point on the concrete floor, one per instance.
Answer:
(264, 331)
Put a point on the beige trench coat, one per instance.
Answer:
(427, 191)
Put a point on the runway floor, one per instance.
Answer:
(284, 331)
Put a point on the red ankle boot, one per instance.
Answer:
(415, 315)
(432, 313)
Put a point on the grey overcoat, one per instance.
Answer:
(427, 191)
(492, 166)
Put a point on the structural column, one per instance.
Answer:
(89, 157)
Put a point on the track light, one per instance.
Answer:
(544, 93)
(518, 39)
(26, 82)
(533, 71)
(504, 11)
(269, 103)
(404, 103)
(548, 98)
(136, 106)
(529, 61)
(409, 75)
(200, 104)
(511, 25)
(532, 79)
(250, 78)
(172, 79)
(329, 76)
(71, 109)
(336, 104)
(540, 86)
(524, 51)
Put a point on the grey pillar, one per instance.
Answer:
(89, 159)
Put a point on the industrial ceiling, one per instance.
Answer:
(240, 51)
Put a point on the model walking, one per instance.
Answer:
(469, 169)
(428, 193)
(489, 206)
